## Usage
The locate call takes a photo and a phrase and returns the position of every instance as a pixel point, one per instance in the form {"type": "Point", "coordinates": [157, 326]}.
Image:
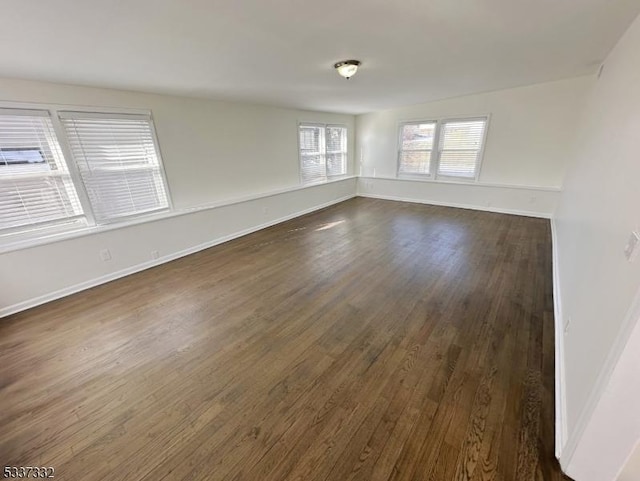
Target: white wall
{"type": "Point", "coordinates": [598, 209]}
{"type": "Point", "coordinates": [612, 429]}
{"type": "Point", "coordinates": [529, 143]}
{"type": "Point", "coordinates": [529, 201]}
{"type": "Point", "coordinates": [631, 471]}
{"type": "Point", "coordinates": [212, 151]}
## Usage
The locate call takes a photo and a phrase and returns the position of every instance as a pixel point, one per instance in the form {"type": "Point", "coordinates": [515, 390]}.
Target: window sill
{"type": "Point", "coordinates": [7, 245]}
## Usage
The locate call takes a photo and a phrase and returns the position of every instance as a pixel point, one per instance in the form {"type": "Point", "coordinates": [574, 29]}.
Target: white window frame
{"type": "Point", "coordinates": [33, 232]}
{"type": "Point", "coordinates": [438, 138]}
{"type": "Point", "coordinates": [323, 152]}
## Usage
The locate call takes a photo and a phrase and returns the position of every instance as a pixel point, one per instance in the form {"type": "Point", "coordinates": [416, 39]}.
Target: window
{"type": "Point", "coordinates": [459, 148]}
{"type": "Point", "coordinates": [416, 146]}
{"type": "Point", "coordinates": [111, 169]}
{"type": "Point", "coordinates": [117, 161]}
{"type": "Point", "coordinates": [323, 152]}
{"type": "Point", "coordinates": [36, 188]}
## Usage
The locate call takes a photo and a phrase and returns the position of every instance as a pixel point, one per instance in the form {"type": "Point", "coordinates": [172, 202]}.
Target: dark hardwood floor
{"type": "Point", "coordinates": [372, 340]}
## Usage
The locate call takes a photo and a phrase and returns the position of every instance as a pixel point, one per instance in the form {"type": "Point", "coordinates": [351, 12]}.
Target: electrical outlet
{"type": "Point", "coordinates": [532, 200]}
{"type": "Point", "coordinates": [631, 249]}
{"type": "Point", "coordinates": [155, 254]}
{"type": "Point", "coordinates": [265, 210]}
{"type": "Point", "coordinates": [105, 255]}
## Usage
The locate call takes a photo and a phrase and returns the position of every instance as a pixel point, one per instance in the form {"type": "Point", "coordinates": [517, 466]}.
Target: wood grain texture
{"type": "Point", "coordinates": [372, 340]}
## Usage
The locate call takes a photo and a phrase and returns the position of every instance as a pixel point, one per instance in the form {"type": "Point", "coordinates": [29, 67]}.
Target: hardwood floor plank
{"type": "Point", "coordinates": [372, 340]}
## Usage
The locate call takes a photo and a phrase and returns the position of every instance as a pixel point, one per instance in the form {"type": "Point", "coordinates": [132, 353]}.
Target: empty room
{"type": "Point", "coordinates": [320, 241]}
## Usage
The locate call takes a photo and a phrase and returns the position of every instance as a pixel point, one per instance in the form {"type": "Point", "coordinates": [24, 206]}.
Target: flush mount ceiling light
{"type": "Point", "coordinates": [347, 68]}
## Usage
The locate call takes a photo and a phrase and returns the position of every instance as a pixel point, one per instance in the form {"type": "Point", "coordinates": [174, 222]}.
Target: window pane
{"type": "Point", "coordinates": [323, 152]}
{"type": "Point", "coordinates": [310, 139]}
{"type": "Point", "coordinates": [418, 136]}
{"type": "Point", "coordinates": [458, 163]}
{"type": "Point", "coordinates": [312, 155]}
{"type": "Point", "coordinates": [336, 164]}
{"type": "Point", "coordinates": [461, 146]}
{"type": "Point", "coordinates": [336, 139]}
{"type": "Point", "coordinates": [120, 192]}
{"type": "Point", "coordinates": [118, 163]}
{"type": "Point", "coordinates": [462, 135]}
{"type": "Point", "coordinates": [35, 186]}
{"type": "Point", "coordinates": [12, 156]}
{"type": "Point", "coordinates": [416, 162]}
{"type": "Point", "coordinates": [35, 200]}
{"type": "Point", "coordinates": [313, 168]}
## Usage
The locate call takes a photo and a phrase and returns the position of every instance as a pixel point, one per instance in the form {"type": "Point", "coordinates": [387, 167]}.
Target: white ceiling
{"type": "Point", "coordinates": [281, 52]}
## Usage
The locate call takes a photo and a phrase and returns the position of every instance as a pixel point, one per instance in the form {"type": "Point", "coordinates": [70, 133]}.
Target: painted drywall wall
{"type": "Point", "coordinates": [631, 470]}
{"type": "Point", "coordinates": [612, 429]}
{"type": "Point", "coordinates": [212, 152]}
{"type": "Point", "coordinates": [529, 141]}
{"type": "Point", "coordinates": [534, 202]}
{"type": "Point", "coordinates": [598, 210]}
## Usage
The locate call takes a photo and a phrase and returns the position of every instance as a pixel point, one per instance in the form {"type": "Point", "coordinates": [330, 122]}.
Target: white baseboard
{"type": "Point", "coordinates": [52, 296]}
{"type": "Point", "coordinates": [497, 210]}
{"type": "Point", "coordinates": [560, 387]}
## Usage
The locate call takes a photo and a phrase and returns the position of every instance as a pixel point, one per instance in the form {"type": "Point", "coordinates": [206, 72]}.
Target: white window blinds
{"type": "Point", "coordinates": [118, 163]}
{"type": "Point", "coordinates": [446, 148]}
{"type": "Point", "coordinates": [323, 151]}
{"type": "Point", "coordinates": [336, 139]}
{"type": "Point", "coordinates": [312, 153]}
{"type": "Point", "coordinates": [35, 185]}
{"type": "Point", "coordinates": [460, 147]}
{"type": "Point", "coordinates": [416, 146]}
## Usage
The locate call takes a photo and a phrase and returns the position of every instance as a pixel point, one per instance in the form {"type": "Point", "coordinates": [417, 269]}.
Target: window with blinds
{"type": "Point", "coordinates": [36, 187]}
{"type": "Point", "coordinates": [323, 152]}
{"type": "Point", "coordinates": [416, 145]}
{"type": "Point", "coordinates": [459, 148]}
{"type": "Point", "coordinates": [63, 170]}
{"type": "Point", "coordinates": [336, 140]}
{"type": "Point", "coordinates": [117, 160]}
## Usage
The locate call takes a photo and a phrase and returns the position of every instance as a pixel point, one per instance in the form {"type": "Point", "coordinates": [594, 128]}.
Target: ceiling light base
{"type": "Point", "coordinates": [347, 68]}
